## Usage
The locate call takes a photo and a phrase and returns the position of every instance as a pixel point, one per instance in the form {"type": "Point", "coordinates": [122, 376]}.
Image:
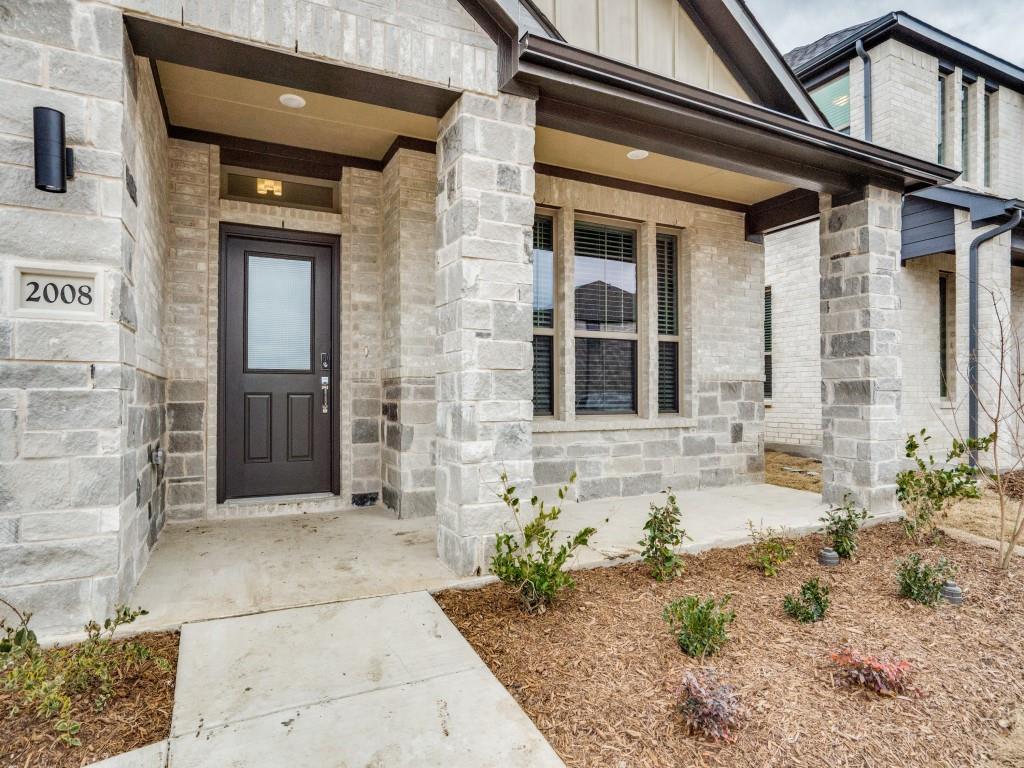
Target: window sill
{"type": "Point", "coordinates": [611, 424]}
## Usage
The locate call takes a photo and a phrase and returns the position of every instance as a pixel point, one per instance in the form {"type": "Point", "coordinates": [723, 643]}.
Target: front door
{"type": "Point", "coordinates": [277, 384]}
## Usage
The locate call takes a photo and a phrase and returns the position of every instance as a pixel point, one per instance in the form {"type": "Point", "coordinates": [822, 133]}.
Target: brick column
{"type": "Point", "coordinates": [484, 300]}
{"type": "Point", "coordinates": [861, 377]}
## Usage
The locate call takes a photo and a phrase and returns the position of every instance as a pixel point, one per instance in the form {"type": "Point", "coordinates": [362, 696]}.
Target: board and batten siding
{"type": "Point", "coordinates": [657, 35]}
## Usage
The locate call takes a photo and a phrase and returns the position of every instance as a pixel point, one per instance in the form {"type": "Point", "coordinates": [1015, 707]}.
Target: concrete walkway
{"type": "Point", "coordinates": [226, 568]}
{"type": "Point", "coordinates": [375, 682]}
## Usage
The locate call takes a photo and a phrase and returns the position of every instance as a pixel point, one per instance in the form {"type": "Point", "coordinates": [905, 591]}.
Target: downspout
{"type": "Point", "coordinates": [972, 343]}
{"type": "Point", "coordinates": [859, 45]}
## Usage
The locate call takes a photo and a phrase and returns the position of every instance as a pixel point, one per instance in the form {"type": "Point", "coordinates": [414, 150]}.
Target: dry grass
{"type": "Point", "coordinates": [139, 713]}
{"type": "Point", "coordinates": [792, 471]}
{"type": "Point", "coordinates": [979, 516]}
{"type": "Point", "coordinates": [599, 673]}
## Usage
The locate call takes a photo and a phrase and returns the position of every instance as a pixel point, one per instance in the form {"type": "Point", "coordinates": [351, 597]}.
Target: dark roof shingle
{"type": "Point", "coordinates": [805, 53]}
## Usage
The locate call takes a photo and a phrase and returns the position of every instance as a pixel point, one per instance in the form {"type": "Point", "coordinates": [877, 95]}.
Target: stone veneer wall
{"type": "Point", "coordinates": [81, 400]}
{"type": "Point", "coordinates": [717, 438]}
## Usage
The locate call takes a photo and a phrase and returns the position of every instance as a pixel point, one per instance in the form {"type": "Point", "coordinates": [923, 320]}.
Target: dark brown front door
{"type": "Point", "coordinates": [278, 383]}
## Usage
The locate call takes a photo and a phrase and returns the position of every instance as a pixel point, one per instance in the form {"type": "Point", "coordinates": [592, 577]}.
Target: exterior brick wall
{"type": "Point", "coordinates": [793, 420]}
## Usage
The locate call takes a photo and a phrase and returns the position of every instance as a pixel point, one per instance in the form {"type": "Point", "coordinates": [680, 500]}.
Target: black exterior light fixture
{"type": "Point", "coordinates": [55, 163]}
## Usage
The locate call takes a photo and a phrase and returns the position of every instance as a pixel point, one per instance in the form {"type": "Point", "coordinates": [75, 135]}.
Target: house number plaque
{"type": "Point", "coordinates": [55, 292]}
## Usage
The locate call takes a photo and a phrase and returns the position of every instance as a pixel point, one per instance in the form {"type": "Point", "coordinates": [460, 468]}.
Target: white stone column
{"type": "Point", "coordinates": [860, 347]}
{"type": "Point", "coordinates": [484, 301]}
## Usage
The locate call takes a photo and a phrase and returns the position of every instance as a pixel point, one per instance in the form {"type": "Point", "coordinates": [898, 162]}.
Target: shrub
{"type": "Point", "coordinates": [927, 492]}
{"type": "Point", "coordinates": [709, 706]}
{"type": "Point", "coordinates": [46, 679]}
{"type": "Point", "coordinates": [888, 677]}
{"type": "Point", "coordinates": [771, 549]}
{"type": "Point", "coordinates": [535, 568]}
{"type": "Point", "coordinates": [662, 535]}
{"type": "Point", "coordinates": [922, 581]}
{"type": "Point", "coordinates": [810, 604]}
{"type": "Point", "coordinates": [841, 526]}
{"type": "Point", "coordinates": [699, 625]}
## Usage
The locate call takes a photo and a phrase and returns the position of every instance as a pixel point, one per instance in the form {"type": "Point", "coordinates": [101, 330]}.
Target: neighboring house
{"type": "Point", "coordinates": [320, 254]}
{"type": "Point", "coordinates": [933, 96]}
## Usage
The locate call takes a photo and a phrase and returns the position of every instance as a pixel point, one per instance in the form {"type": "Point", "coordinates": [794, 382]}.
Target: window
{"type": "Point", "coordinates": [267, 188]}
{"type": "Point", "coordinates": [988, 139]}
{"type": "Point", "coordinates": [941, 119]}
{"type": "Point", "coordinates": [604, 299]}
{"type": "Point", "coordinates": [767, 342]}
{"type": "Point", "coordinates": [833, 99]}
{"type": "Point", "coordinates": [668, 323]}
{"type": "Point", "coordinates": [965, 123]}
{"type": "Point", "coordinates": [543, 316]}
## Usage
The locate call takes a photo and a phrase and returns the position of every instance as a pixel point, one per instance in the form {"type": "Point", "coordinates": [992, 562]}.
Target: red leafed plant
{"type": "Point", "coordinates": [709, 706]}
{"type": "Point", "coordinates": [889, 677]}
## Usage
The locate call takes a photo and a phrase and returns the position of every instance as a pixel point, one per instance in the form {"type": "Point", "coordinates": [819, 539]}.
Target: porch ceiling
{"type": "Point", "coordinates": [236, 106]}
{"type": "Point", "coordinates": [582, 153]}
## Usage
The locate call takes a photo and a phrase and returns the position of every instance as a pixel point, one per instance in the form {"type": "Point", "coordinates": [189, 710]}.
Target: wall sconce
{"type": "Point", "coordinates": [55, 163]}
{"type": "Point", "coordinates": [269, 187]}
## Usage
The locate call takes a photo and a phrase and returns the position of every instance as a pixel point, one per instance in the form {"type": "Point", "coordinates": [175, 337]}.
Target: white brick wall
{"type": "Point", "coordinates": [793, 416]}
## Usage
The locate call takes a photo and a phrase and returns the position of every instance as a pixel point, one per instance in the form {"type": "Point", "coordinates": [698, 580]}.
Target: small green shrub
{"type": "Point", "coordinates": [927, 492]}
{"type": "Point", "coordinates": [535, 567]}
{"type": "Point", "coordinates": [922, 581]}
{"type": "Point", "coordinates": [46, 679]}
{"type": "Point", "coordinates": [810, 604]}
{"type": "Point", "coordinates": [662, 536]}
{"type": "Point", "coordinates": [709, 707]}
{"type": "Point", "coordinates": [771, 549]}
{"type": "Point", "coordinates": [699, 626]}
{"type": "Point", "coordinates": [841, 526]}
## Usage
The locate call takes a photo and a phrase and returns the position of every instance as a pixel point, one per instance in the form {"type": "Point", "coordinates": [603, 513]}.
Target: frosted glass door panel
{"type": "Point", "coordinates": [278, 314]}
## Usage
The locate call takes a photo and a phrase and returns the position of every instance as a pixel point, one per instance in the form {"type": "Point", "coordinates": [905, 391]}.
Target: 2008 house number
{"type": "Point", "coordinates": [56, 293]}
{"type": "Point", "coordinates": [51, 293]}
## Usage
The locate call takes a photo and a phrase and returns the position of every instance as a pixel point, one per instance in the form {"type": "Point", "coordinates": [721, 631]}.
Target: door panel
{"type": "Point", "coordinates": [278, 420]}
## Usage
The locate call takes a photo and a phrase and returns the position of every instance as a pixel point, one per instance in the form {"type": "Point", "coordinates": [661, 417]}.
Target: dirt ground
{"type": "Point", "coordinates": [792, 471]}
{"type": "Point", "coordinates": [139, 713]}
{"type": "Point", "coordinates": [599, 674]}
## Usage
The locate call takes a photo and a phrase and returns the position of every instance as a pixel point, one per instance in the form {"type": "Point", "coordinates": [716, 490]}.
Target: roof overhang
{"type": "Point", "coordinates": [982, 208]}
{"type": "Point", "coordinates": [915, 32]}
{"type": "Point", "coordinates": [930, 228]}
{"type": "Point", "coordinates": [585, 93]}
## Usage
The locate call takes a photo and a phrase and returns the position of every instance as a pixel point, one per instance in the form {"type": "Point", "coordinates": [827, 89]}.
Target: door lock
{"type": "Point", "coordinates": [325, 361]}
{"type": "Point", "coordinates": [325, 386]}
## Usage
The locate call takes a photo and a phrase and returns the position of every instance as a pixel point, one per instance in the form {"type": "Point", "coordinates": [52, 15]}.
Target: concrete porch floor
{"type": "Point", "coordinates": [232, 567]}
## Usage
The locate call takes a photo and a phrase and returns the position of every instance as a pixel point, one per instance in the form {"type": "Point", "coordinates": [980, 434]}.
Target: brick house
{"type": "Point", "coordinates": [934, 96]}
{"type": "Point", "coordinates": [324, 254]}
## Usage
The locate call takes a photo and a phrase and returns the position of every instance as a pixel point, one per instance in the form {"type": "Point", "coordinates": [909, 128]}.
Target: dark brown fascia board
{"type": "Point", "coordinates": [408, 142]}
{"type": "Point", "coordinates": [640, 188]}
{"type": "Point", "coordinates": [585, 93]}
{"type": "Point", "coordinates": [178, 45]}
{"type": "Point", "coordinates": [749, 54]}
{"type": "Point", "coordinates": [278, 158]}
{"type": "Point", "coordinates": [919, 34]}
{"type": "Point", "coordinates": [797, 206]}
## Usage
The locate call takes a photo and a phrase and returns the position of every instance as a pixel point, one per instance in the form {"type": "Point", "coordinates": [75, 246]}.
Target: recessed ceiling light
{"type": "Point", "coordinates": [637, 154]}
{"type": "Point", "coordinates": [292, 100]}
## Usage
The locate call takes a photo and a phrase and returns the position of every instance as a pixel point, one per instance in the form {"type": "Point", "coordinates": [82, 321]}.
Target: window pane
{"type": "Point", "coordinates": [668, 302]}
{"type": "Point", "coordinates": [668, 377]}
{"type": "Point", "coordinates": [965, 144]}
{"type": "Point", "coordinates": [543, 272]}
{"type": "Point", "coordinates": [280, 192]}
{"type": "Point", "coordinates": [543, 376]}
{"type": "Point", "coordinates": [605, 283]}
{"type": "Point", "coordinates": [943, 341]}
{"type": "Point", "coordinates": [941, 118]}
{"type": "Point", "coordinates": [605, 376]}
{"type": "Point", "coordinates": [988, 139]}
{"type": "Point", "coordinates": [278, 319]}
{"type": "Point", "coordinates": [833, 99]}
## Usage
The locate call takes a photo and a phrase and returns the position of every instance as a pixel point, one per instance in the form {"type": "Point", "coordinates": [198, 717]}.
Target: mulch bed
{"type": "Point", "coordinates": [139, 713]}
{"type": "Point", "coordinates": [599, 673]}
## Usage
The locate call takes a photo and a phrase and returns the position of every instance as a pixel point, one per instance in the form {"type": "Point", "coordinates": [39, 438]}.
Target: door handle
{"type": "Point", "coordinates": [325, 385]}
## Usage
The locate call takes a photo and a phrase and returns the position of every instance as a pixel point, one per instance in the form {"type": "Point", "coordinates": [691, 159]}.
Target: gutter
{"type": "Point", "coordinates": [972, 344]}
{"type": "Point", "coordinates": [859, 46]}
